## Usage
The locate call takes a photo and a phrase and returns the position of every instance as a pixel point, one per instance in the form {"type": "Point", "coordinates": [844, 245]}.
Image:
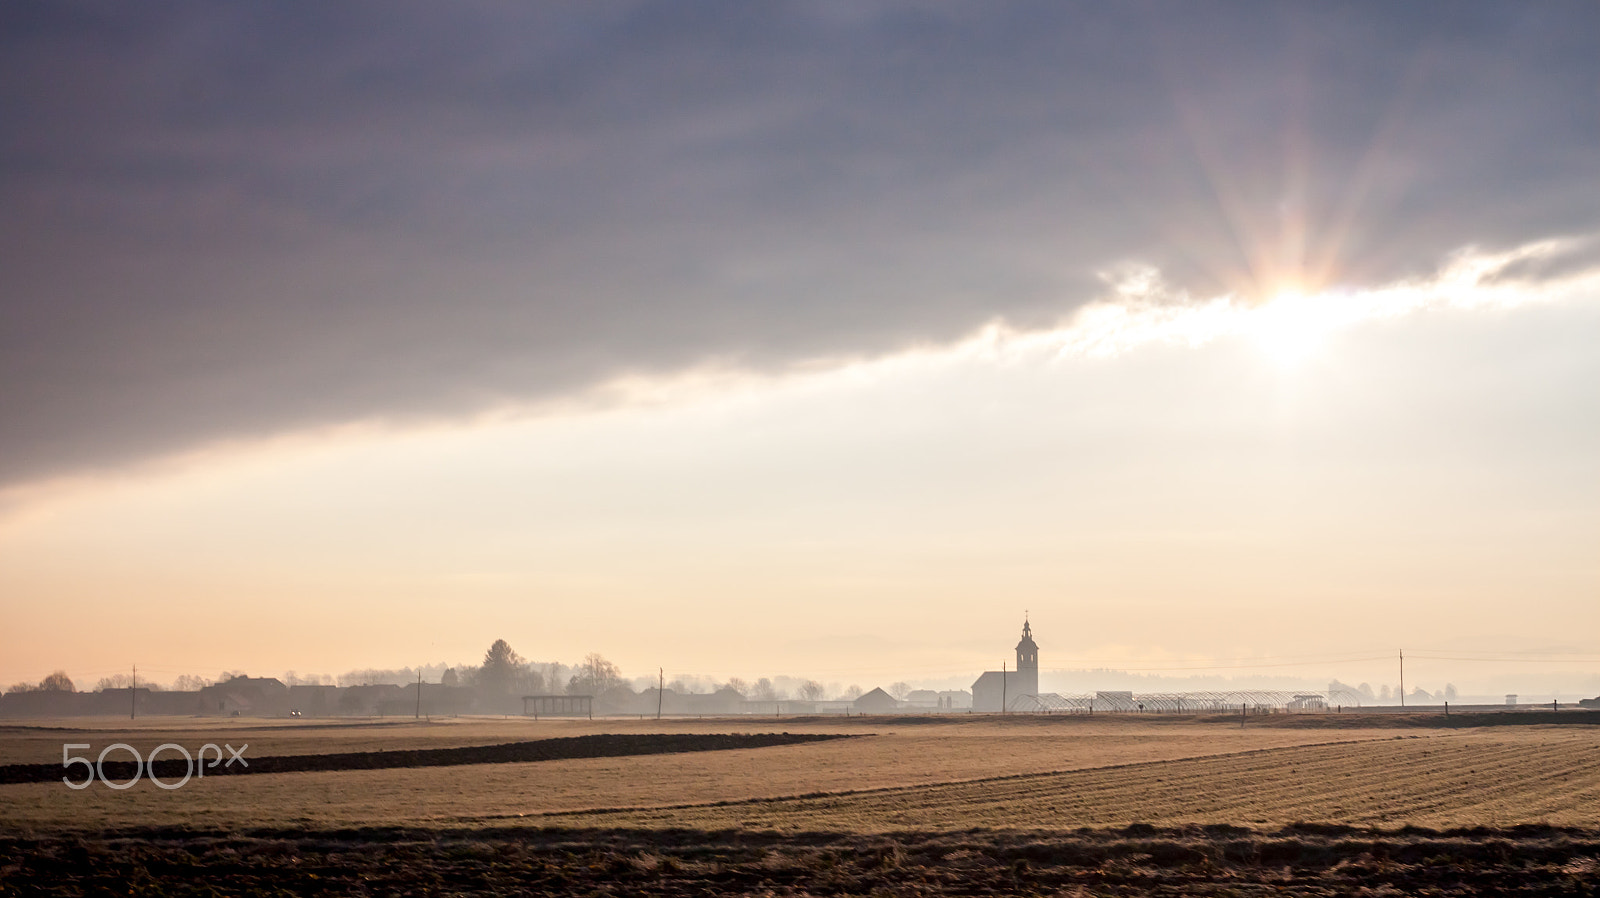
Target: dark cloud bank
{"type": "Point", "coordinates": [234, 220]}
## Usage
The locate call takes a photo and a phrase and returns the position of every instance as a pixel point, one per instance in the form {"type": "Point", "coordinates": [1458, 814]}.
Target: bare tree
{"type": "Point", "coordinates": [738, 685]}
{"type": "Point", "coordinates": [900, 690]}
{"type": "Point", "coordinates": [595, 676]}
{"type": "Point", "coordinates": [764, 691]}
{"type": "Point", "coordinates": [852, 693]}
{"type": "Point", "coordinates": [57, 682]}
{"type": "Point", "coordinates": [811, 691]}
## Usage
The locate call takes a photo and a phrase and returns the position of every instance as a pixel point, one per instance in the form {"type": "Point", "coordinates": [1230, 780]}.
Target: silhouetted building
{"type": "Point", "coordinates": [996, 689]}
{"type": "Point", "coordinates": [875, 702]}
{"type": "Point", "coordinates": [314, 700]}
{"type": "Point", "coordinates": [246, 696]}
{"type": "Point", "coordinates": [931, 700]}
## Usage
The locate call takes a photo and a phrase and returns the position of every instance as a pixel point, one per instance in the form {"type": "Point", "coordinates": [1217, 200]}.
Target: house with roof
{"type": "Point", "coordinates": [875, 702]}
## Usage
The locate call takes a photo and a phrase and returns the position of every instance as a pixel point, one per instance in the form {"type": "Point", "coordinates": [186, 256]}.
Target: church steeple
{"type": "Point", "coordinates": [1027, 650]}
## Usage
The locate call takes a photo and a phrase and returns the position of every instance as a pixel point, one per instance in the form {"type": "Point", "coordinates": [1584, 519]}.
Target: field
{"type": "Point", "coordinates": [935, 805]}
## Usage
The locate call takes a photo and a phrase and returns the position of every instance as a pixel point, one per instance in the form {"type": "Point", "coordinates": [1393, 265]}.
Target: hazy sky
{"type": "Point", "coordinates": [819, 338]}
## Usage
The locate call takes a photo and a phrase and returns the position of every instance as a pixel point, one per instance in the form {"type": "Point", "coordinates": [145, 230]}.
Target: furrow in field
{"type": "Point", "coordinates": [1447, 780]}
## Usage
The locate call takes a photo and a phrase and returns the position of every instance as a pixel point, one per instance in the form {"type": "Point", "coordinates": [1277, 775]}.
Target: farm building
{"type": "Point", "coordinates": [249, 696]}
{"type": "Point", "coordinates": [1123, 702]}
{"type": "Point", "coordinates": [875, 702]}
{"type": "Point", "coordinates": [944, 700]}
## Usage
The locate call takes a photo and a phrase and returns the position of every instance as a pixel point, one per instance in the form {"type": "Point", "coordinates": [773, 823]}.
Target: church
{"type": "Point", "coordinates": [998, 690]}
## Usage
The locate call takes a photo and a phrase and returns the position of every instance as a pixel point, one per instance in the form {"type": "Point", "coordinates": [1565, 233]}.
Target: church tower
{"type": "Point", "coordinates": [1027, 681]}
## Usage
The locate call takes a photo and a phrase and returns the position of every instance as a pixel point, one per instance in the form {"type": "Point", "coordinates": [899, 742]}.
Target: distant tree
{"type": "Point", "coordinates": [125, 681]}
{"type": "Point", "coordinates": [764, 691]}
{"type": "Point", "coordinates": [22, 687]}
{"type": "Point", "coordinates": [1384, 695]}
{"type": "Point", "coordinates": [228, 675]}
{"type": "Point", "coordinates": [532, 681]}
{"type": "Point", "coordinates": [57, 682]}
{"type": "Point", "coordinates": [1366, 692]}
{"type": "Point", "coordinates": [595, 676]}
{"type": "Point", "coordinates": [190, 683]}
{"type": "Point", "coordinates": [502, 668]}
{"type": "Point", "coordinates": [450, 677]}
{"type": "Point", "coordinates": [900, 690]}
{"type": "Point", "coordinates": [852, 692]}
{"type": "Point", "coordinates": [738, 685]}
{"type": "Point", "coordinates": [1450, 692]}
{"type": "Point", "coordinates": [811, 691]}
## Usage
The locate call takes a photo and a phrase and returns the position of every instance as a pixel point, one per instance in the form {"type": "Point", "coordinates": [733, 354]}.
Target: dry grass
{"type": "Point", "coordinates": [947, 807]}
{"type": "Point", "coordinates": [1440, 780]}
{"type": "Point", "coordinates": [39, 741]}
{"type": "Point", "coordinates": [947, 774]}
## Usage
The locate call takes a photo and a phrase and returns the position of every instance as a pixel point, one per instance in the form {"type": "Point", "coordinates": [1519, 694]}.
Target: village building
{"type": "Point", "coordinates": [998, 690]}
{"type": "Point", "coordinates": [875, 702]}
{"type": "Point", "coordinates": [246, 696]}
{"type": "Point", "coordinates": [941, 700]}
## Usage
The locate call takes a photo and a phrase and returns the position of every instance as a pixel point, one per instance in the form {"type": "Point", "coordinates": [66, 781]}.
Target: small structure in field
{"type": "Point", "coordinates": [537, 706]}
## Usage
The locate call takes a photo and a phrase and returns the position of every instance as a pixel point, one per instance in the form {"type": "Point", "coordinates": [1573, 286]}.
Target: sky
{"type": "Point", "coordinates": [821, 339]}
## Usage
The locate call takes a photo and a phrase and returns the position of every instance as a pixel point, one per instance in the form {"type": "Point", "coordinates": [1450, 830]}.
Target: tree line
{"type": "Point", "coordinates": [502, 672]}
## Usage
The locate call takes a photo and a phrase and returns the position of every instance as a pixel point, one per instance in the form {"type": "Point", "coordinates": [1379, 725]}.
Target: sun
{"type": "Point", "coordinates": [1291, 327]}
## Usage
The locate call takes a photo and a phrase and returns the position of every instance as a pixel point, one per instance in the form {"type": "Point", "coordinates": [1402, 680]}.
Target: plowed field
{"type": "Point", "coordinates": [1456, 779]}
{"type": "Point", "coordinates": [1340, 805]}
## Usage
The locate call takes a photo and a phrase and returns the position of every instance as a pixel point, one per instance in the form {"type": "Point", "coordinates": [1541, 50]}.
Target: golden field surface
{"type": "Point", "coordinates": [898, 774]}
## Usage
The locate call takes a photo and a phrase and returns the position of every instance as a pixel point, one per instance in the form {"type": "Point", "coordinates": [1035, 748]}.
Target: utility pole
{"type": "Point", "coordinates": [661, 686]}
{"type": "Point", "coordinates": [1002, 687]}
{"type": "Point", "coordinates": [133, 695]}
{"type": "Point", "coordinates": [419, 692]}
{"type": "Point", "coordinates": [1402, 678]}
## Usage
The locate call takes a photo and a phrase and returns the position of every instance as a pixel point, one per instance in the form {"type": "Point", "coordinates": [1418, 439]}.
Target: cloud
{"type": "Point", "coordinates": [1144, 309]}
{"type": "Point", "coordinates": [222, 223]}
